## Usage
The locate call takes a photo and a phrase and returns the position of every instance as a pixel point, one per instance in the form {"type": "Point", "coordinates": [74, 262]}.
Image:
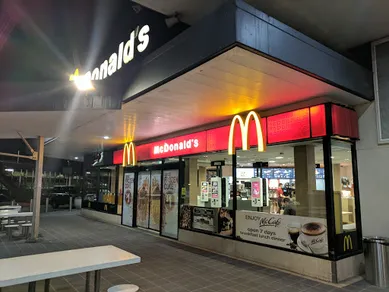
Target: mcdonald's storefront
{"type": "Point", "coordinates": [280, 190]}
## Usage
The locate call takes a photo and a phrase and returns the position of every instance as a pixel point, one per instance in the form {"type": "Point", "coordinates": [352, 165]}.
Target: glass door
{"type": "Point", "coordinates": [170, 201]}
{"type": "Point", "coordinates": [143, 202]}
{"type": "Point", "coordinates": [128, 202]}
{"type": "Point", "coordinates": [155, 200]}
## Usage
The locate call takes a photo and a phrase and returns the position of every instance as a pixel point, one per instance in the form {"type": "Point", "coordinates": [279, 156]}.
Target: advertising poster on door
{"type": "Point", "coordinates": [256, 193]}
{"type": "Point", "coordinates": [170, 203]}
{"type": "Point", "coordinates": [204, 191]}
{"type": "Point", "coordinates": [304, 234]}
{"type": "Point", "coordinates": [155, 204]}
{"type": "Point", "coordinates": [128, 194]}
{"type": "Point", "coordinates": [216, 191]}
{"type": "Point", "coordinates": [142, 214]}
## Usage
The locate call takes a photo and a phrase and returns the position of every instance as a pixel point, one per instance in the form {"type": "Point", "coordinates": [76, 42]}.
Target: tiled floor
{"type": "Point", "coordinates": [166, 265]}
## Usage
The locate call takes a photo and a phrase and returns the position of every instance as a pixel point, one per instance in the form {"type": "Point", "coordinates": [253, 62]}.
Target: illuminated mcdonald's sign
{"type": "Point", "coordinates": [347, 243]}
{"type": "Point", "coordinates": [129, 155]}
{"type": "Point", "coordinates": [244, 127]}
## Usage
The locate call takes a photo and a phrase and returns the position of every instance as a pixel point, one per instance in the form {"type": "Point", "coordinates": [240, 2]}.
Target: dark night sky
{"type": "Point", "coordinates": [43, 40]}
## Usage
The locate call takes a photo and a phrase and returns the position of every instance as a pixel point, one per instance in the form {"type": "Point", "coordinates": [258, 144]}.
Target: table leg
{"type": "Point", "coordinates": [87, 282]}
{"type": "Point", "coordinates": [47, 285]}
{"type": "Point", "coordinates": [31, 286]}
{"type": "Point", "coordinates": [97, 280]}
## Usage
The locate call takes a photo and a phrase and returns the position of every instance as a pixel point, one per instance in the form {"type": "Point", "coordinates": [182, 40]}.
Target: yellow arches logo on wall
{"type": "Point", "coordinates": [347, 243]}
{"type": "Point", "coordinates": [129, 155]}
{"type": "Point", "coordinates": [244, 127]}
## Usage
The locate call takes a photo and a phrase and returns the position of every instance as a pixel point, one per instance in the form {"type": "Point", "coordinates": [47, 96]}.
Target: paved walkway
{"type": "Point", "coordinates": [166, 265]}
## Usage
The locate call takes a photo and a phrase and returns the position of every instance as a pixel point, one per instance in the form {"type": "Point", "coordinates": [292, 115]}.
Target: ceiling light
{"type": "Point", "coordinates": [279, 157]}
{"type": "Point", "coordinates": [106, 137]}
{"type": "Point", "coordinates": [238, 156]}
{"type": "Point", "coordinates": [9, 169]}
{"type": "Point", "coordinates": [272, 161]}
{"type": "Point", "coordinates": [76, 158]}
{"type": "Point", "coordinates": [83, 83]}
{"type": "Point", "coordinates": [332, 157]}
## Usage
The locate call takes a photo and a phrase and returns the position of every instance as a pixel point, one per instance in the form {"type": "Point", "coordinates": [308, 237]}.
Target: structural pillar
{"type": "Point", "coordinates": [37, 190]}
{"type": "Point", "coordinates": [304, 160]}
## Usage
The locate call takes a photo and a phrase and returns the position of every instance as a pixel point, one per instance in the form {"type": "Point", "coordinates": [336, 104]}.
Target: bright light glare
{"type": "Point", "coordinates": [9, 169]}
{"type": "Point", "coordinates": [83, 83]}
{"type": "Point", "coordinates": [272, 161]}
{"type": "Point", "coordinates": [106, 137]}
{"type": "Point", "coordinates": [76, 158]}
{"type": "Point", "coordinates": [279, 157]}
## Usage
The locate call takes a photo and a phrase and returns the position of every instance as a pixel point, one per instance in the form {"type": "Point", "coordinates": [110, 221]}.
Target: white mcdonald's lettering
{"type": "Point", "coordinates": [129, 155]}
{"type": "Point", "coordinates": [244, 127]}
{"type": "Point", "coordinates": [177, 146]}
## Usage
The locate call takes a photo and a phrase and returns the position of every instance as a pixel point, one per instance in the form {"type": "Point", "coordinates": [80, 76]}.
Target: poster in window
{"type": "Point", "coordinates": [256, 192]}
{"type": "Point", "coordinates": [216, 190]}
{"type": "Point", "coordinates": [204, 191]}
{"type": "Point", "coordinates": [225, 222]}
{"type": "Point", "coordinates": [170, 203]}
{"type": "Point", "coordinates": [142, 214]}
{"type": "Point", "coordinates": [304, 234]}
{"type": "Point", "coordinates": [186, 217]}
{"type": "Point", "coordinates": [155, 204]}
{"type": "Point", "coordinates": [204, 219]}
{"type": "Point", "coordinates": [128, 204]}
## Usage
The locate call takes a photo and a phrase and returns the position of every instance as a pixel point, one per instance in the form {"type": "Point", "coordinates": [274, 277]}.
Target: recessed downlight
{"type": "Point", "coordinates": [106, 138]}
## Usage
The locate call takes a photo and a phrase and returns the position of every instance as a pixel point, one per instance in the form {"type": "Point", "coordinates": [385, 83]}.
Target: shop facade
{"type": "Point", "coordinates": [243, 141]}
{"type": "Point", "coordinates": [209, 189]}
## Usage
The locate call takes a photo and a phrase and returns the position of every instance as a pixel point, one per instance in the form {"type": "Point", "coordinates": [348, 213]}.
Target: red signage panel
{"type": "Point", "coordinates": [289, 126]}
{"type": "Point", "coordinates": [318, 121]}
{"type": "Point", "coordinates": [344, 122]}
{"type": "Point", "coordinates": [179, 146]}
{"type": "Point", "coordinates": [118, 157]}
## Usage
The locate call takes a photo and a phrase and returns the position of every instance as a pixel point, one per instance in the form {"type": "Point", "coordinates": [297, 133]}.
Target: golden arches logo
{"type": "Point", "coordinates": [244, 127]}
{"type": "Point", "coordinates": [347, 243]}
{"type": "Point", "coordinates": [129, 155]}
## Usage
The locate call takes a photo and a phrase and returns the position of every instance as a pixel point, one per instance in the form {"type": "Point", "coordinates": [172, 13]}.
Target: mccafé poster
{"type": "Point", "coordinates": [128, 196]}
{"type": "Point", "coordinates": [302, 234]}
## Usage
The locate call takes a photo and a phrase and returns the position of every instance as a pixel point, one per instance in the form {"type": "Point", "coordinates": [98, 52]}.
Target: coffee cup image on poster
{"type": "Point", "coordinates": [304, 234]}
{"type": "Point", "coordinates": [128, 194]}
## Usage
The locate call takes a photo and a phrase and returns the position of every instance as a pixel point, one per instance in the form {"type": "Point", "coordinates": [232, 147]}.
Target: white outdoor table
{"type": "Point", "coordinates": [11, 207]}
{"type": "Point", "coordinates": [15, 214]}
{"type": "Point", "coordinates": [45, 266]}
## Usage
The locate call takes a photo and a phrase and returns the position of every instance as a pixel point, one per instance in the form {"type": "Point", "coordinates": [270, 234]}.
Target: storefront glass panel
{"type": "Point", "coordinates": [208, 203]}
{"type": "Point", "coordinates": [155, 202]}
{"type": "Point", "coordinates": [281, 202]}
{"type": "Point", "coordinates": [170, 203]}
{"type": "Point", "coordinates": [143, 200]}
{"type": "Point", "coordinates": [128, 202]}
{"type": "Point", "coordinates": [343, 186]}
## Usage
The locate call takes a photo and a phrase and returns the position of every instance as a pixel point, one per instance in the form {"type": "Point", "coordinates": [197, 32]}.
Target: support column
{"type": "Point", "coordinates": [304, 160]}
{"type": "Point", "coordinates": [37, 190]}
{"type": "Point", "coordinates": [194, 190]}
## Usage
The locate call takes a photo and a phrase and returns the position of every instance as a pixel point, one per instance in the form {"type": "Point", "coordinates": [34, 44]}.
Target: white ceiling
{"type": "Point", "coordinates": [234, 82]}
{"type": "Point", "coordinates": [339, 24]}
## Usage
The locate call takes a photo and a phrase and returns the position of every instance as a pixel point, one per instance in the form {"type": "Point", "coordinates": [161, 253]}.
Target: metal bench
{"type": "Point", "coordinates": [26, 228]}
{"type": "Point", "coordinates": [9, 229]}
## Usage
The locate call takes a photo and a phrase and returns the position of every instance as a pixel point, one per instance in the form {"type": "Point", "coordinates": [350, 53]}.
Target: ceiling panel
{"type": "Point", "coordinates": [234, 82]}
{"type": "Point", "coordinates": [323, 20]}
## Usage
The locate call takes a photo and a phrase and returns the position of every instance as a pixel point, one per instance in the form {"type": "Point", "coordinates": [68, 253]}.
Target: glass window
{"type": "Point", "coordinates": [343, 184]}
{"type": "Point", "coordinates": [207, 200]}
{"type": "Point", "coordinates": [281, 197]}
{"type": "Point", "coordinates": [285, 180]}
{"type": "Point", "coordinates": [107, 192]}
